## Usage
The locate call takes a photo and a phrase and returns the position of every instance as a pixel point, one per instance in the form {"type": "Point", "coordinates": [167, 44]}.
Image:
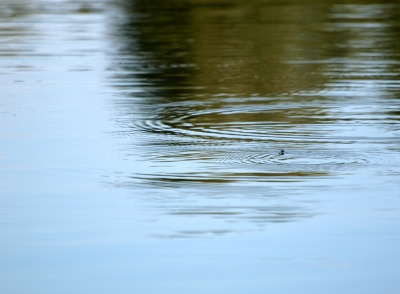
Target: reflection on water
{"type": "Point", "coordinates": [204, 146]}
{"type": "Point", "coordinates": [209, 93]}
{"type": "Point", "coordinates": [255, 214]}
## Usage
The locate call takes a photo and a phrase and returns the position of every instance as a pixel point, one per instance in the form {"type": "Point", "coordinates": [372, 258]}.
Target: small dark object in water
{"type": "Point", "coordinates": [282, 152]}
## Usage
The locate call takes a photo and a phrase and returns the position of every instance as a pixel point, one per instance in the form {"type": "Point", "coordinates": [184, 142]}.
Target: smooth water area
{"type": "Point", "coordinates": [198, 146]}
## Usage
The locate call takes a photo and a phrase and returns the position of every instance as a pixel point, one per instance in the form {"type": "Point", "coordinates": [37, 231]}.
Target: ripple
{"type": "Point", "coordinates": [219, 178]}
{"type": "Point", "coordinates": [261, 124]}
{"type": "Point", "coordinates": [309, 157]}
{"type": "Point", "coordinates": [258, 123]}
{"type": "Point", "coordinates": [259, 215]}
{"type": "Point", "coordinates": [253, 134]}
{"type": "Point", "coordinates": [293, 162]}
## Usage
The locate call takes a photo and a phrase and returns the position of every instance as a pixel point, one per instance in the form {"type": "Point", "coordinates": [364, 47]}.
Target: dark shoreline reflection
{"type": "Point", "coordinates": [178, 49]}
{"type": "Point", "coordinates": [209, 92]}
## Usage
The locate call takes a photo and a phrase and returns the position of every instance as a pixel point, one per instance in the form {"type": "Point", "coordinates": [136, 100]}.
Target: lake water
{"type": "Point", "coordinates": [141, 146]}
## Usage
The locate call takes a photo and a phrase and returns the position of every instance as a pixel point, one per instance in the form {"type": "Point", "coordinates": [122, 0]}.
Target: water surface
{"type": "Point", "coordinates": [141, 146]}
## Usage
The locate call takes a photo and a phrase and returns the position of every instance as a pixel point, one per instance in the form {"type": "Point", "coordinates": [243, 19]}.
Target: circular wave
{"type": "Point", "coordinates": [293, 160]}
{"type": "Point", "coordinates": [248, 124]}
{"type": "Point", "coordinates": [243, 135]}
{"type": "Point", "coordinates": [269, 160]}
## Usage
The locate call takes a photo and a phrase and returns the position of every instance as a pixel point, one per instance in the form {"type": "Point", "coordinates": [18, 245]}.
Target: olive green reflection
{"type": "Point", "coordinates": [182, 48]}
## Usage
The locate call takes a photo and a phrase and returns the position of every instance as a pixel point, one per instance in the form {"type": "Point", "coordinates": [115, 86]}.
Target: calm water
{"type": "Point", "coordinates": [140, 146]}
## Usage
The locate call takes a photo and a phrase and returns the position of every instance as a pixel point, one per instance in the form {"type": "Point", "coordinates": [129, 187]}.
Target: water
{"type": "Point", "coordinates": [140, 146]}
